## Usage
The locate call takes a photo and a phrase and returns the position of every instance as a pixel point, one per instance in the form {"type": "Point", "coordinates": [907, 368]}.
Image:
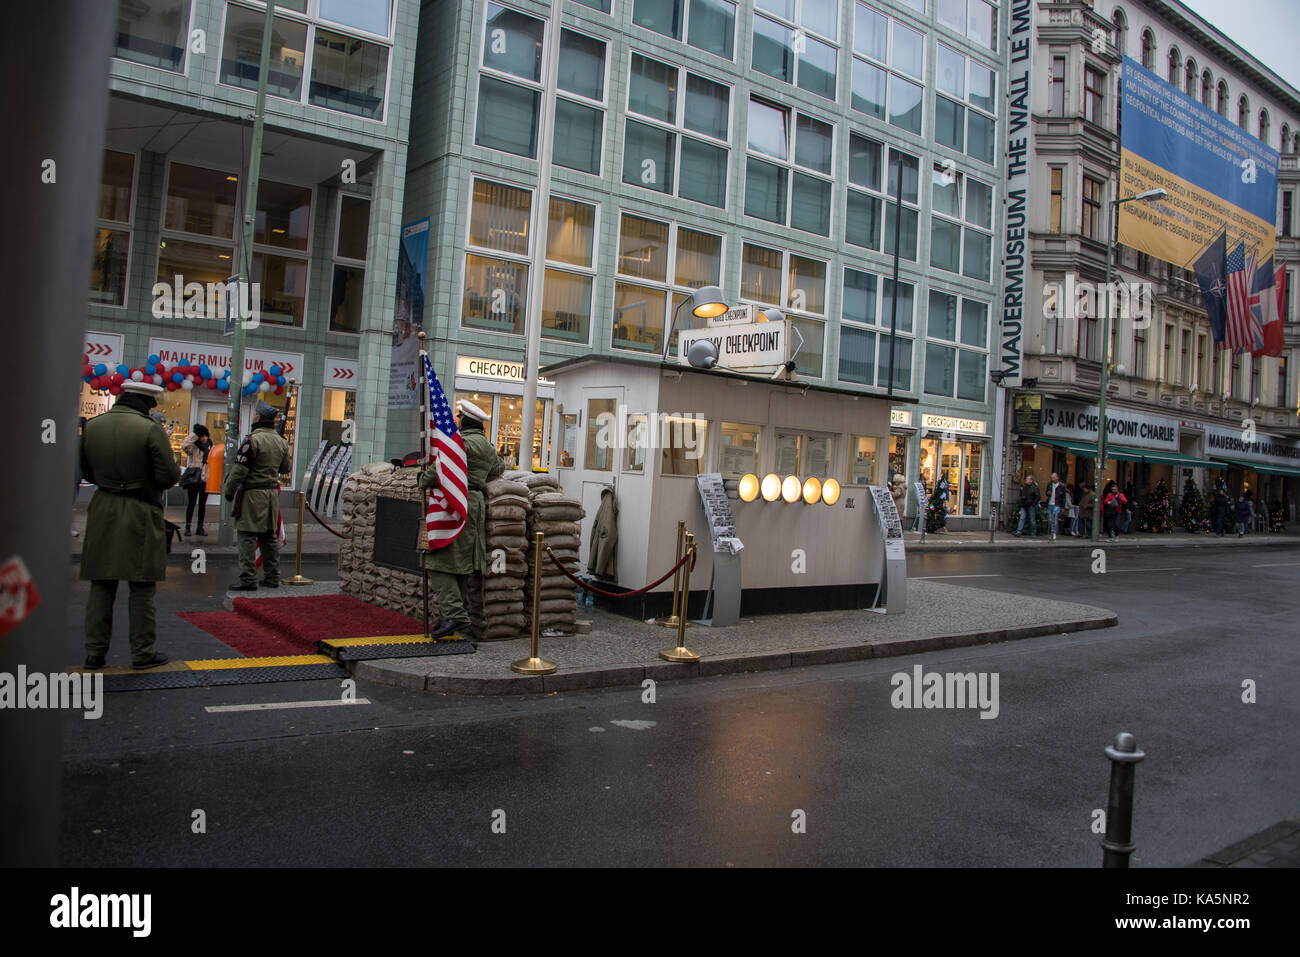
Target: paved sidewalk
{"type": "Point", "coordinates": [623, 651]}
{"type": "Point", "coordinates": [1005, 541]}
{"type": "Point", "coordinates": [1276, 846]}
{"type": "Point", "coordinates": [317, 543]}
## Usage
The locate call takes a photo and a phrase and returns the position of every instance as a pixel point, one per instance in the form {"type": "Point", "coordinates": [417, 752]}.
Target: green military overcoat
{"type": "Point", "coordinates": [126, 454]}
{"type": "Point", "coordinates": [268, 459]}
{"type": "Point", "coordinates": [468, 551]}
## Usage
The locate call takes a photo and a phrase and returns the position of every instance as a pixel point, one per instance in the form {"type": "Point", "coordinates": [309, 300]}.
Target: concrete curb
{"type": "Point", "coordinates": [1085, 544]}
{"type": "Point", "coordinates": [622, 675]}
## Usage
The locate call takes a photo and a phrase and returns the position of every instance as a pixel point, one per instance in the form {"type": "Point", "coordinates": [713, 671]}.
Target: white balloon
{"type": "Point", "coordinates": [137, 376]}
{"type": "Point", "coordinates": [157, 379]}
{"type": "Point", "coordinates": [187, 385]}
{"type": "Point", "coordinates": [264, 387]}
{"type": "Point", "coordinates": [248, 377]}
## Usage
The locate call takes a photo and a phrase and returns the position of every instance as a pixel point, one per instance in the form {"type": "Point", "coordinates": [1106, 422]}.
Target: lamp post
{"type": "Point", "coordinates": [1144, 197]}
{"type": "Point", "coordinates": [709, 304]}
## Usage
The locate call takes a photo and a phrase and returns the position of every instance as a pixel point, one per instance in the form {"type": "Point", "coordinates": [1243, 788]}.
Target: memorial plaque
{"type": "Point", "coordinates": [399, 534]}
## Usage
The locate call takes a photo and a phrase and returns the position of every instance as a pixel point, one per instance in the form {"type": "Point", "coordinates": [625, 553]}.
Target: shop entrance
{"type": "Point", "coordinates": [213, 415]}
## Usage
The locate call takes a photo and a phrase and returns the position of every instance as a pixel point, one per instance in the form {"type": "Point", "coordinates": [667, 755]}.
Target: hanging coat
{"type": "Point", "coordinates": [602, 545]}
{"type": "Point", "coordinates": [467, 552]}
{"type": "Point", "coordinates": [126, 454]}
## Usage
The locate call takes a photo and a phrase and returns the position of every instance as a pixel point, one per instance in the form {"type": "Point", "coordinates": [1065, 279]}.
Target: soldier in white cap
{"type": "Point", "coordinates": [450, 567]}
{"type": "Point", "coordinates": [127, 456]}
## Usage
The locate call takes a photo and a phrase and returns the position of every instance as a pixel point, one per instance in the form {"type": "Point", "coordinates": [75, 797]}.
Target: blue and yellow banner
{"type": "Point", "coordinates": [1219, 177]}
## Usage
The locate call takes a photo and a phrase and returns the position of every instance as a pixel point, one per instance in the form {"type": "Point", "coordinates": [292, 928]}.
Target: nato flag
{"type": "Point", "coordinates": [1210, 277]}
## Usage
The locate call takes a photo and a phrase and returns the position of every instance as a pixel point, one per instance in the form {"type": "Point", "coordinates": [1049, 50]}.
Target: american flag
{"type": "Point", "coordinates": [449, 502]}
{"type": "Point", "coordinates": [1240, 270]}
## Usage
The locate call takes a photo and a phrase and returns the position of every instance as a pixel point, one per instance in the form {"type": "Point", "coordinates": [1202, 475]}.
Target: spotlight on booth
{"type": "Point", "coordinates": [749, 488]}
{"type": "Point", "coordinates": [831, 491]}
{"type": "Point", "coordinates": [791, 489]}
{"type": "Point", "coordinates": [771, 487]}
{"type": "Point", "coordinates": [812, 491]}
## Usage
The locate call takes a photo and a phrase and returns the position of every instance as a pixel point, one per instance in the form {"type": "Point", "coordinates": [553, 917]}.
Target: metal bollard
{"type": "Point", "coordinates": [297, 578]}
{"type": "Point", "coordinates": [672, 621]}
{"type": "Point", "coordinates": [1118, 844]}
{"type": "Point", "coordinates": [534, 665]}
{"type": "Point", "coordinates": [681, 652]}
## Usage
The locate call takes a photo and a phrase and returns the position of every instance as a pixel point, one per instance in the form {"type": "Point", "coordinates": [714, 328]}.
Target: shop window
{"type": "Point", "coordinates": [283, 282]}
{"type": "Point", "coordinates": [339, 406]}
{"type": "Point", "coordinates": [154, 34]}
{"type": "Point", "coordinates": [862, 459]}
{"type": "Point", "coordinates": [508, 424]}
{"type": "Point", "coordinates": [897, 456]}
{"type": "Point", "coordinates": [740, 449]}
{"type": "Point", "coordinates": [684, 445]}
{"type": "Point", "coordinates": [112, 244]}
{"type": "Point", "coordinates": [960, 463]}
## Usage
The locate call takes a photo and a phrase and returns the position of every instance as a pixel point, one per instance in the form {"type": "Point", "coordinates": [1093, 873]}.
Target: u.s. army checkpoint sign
{"type": "Point", "coordinates": [749, 345]}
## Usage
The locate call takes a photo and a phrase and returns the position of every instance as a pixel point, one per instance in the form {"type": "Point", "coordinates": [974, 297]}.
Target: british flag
{"type": "Point", "coordinates": [1241, 333]}
{"type": "Point", "coordinates": [448, 504]}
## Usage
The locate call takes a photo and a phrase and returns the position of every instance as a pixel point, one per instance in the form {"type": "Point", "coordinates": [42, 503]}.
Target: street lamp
{"type": "Point", "coordinates": [709, 304]}
{"type": "Point", "coordinates": [1143, 197]}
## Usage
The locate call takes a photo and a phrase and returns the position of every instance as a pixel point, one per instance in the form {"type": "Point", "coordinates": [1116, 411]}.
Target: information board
{"type": "Point", "coordinates": [717, 507]}
{"type": "Point", "coordinates": [890, 523]}
{"type": "Point", "coordinates": [398, 534]}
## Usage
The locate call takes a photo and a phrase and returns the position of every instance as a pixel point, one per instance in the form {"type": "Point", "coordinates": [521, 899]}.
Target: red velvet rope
{"type": "Point", "coordinates": [321, 520]}
{"type": "Point", "coordinates": [625, 594]}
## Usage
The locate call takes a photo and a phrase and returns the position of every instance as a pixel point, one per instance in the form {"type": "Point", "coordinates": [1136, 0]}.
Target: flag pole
{"type": "Point", "coordinates": [424, 454]}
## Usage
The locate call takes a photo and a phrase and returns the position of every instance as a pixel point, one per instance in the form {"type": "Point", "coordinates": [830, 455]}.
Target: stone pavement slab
{"type": "Point", "coordinates": [1276, 846]}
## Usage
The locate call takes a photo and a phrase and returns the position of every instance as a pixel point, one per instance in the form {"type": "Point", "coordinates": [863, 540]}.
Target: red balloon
{"type": "Point", "coordinates": [115, 389]}
{"type": "Point", "coordinates": [94, 382]}
{"type": "Point", "coordinates": [118, 378]}
{"type": "Point", "coordinates": [212, 383]}
{"type": "Point", "coordinates": [279, 390]}
{"type": "Point", "coordinates": [173, 386]}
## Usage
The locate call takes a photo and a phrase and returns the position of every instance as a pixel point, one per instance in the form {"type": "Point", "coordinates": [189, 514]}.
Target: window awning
{"type": "Point", "coordinates": [1127, 454]}
{"type": "Point", "coordinates": [1260, 468]}
{"type": "Point", "coordinates": [1178, 458]}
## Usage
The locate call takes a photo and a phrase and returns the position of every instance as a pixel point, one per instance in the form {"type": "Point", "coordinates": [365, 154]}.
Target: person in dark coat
{"type": "Point", "coordinates": [263, 458]}
{"type": "Point", "coordinates": [602, 551]}
{"type": "Point", "coordinates": [129, 460]}
{"type": "Point", "coordinates": [196, 447]}
{"type": "Point", "coordinates": [1030, 496]}
{"type": "Point", "coordinates": [1112, 502]}
{"type": "Point", "coordinates": [1244, 512]}
{"type": "Point", "coordinates": [1220, 509]}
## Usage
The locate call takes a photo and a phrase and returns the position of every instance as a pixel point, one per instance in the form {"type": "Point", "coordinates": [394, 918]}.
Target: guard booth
{"type": "Point", "coordinates": [650, 430]}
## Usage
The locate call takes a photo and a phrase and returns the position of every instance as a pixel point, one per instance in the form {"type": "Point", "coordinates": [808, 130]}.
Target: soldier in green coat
{"type": "Point", "coordinates": [127, 456]}
{"type": "Point", "coordinates": [450, 567]}
{"type": "Point", "coordinates": [255, 478]}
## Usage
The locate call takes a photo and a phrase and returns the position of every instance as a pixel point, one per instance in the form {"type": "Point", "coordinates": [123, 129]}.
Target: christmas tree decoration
{"type": "Point", "coordinates": [1157, 512]}
{"type": "Point", "coordinates": [1192, 514]}
{"type": "Point", "coordinates": [1277, 517]}
{"type": "Point", "coordinates": [936, 512]}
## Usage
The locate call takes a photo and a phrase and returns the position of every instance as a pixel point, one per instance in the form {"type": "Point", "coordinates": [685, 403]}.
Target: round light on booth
{"type": "Point", "coordinates": [748, 488]}
{"type": "Point", "coordinates": [812, 491]}
{"type": "Point", "coordinates": [791, 489]}
{"type": "Point", "coordinates": [831, 492]}
{"type": "Point", "coordinates": [771, 487]}
{"type": "Point", "coordinates": [709, 303]}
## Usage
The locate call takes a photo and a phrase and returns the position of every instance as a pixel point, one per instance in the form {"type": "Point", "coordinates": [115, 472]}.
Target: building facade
{"type": "Point", "coordinates": [762, 147]}
{"type": "Point", "coordinates": [183, 81]}
{"type": "Point", "coordinates": [1181, 406]}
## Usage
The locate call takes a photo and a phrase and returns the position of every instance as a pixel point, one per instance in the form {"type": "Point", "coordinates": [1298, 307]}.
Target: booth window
{"type": "Point", "coordinates": [868, 300]}
{"type": "Point", "coordinates": [570, 271]}
{"type": "Point", "coordinates": [339, 406]}
{"type": "Point", "coordinates": [111, 255]}
{"type": "Point", "coordinates": [668, 103]}
{"type": "Point", "coordinates": [796, 41]}
{"type": "Point", "coordinates": [601, 437]}
{"type": "Point", "coordinates": [664, 258]}
{"type": "Point", "coordinates": [568, 440]}
{"type": "Point", "coordinates": [789, 168]}
{"type": "Point", "coordinates": [683, 439]}
{"type": "Point", "coordinates": [582, 116]}
{"type": "Point", "coordinates": [897, 456]}
{"type": "Point", "coordinates": [887, 57]}
{"type": "Point", "coordinates": [807, 455]}
{"type": "Point", "coordinates": [496, 286]}
{"type": "Point", "coordinates": [637, 443]}
{"type": "Point", "coordinates": [708, 25]}
{"type": "Point", "coordinates": [352, 236]}
{"type": "Point", "coordinates": [740, 445]}
{"type": "Point", "coordinates": [862, 459]}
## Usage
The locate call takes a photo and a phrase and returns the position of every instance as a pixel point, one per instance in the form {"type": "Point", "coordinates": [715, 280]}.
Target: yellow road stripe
{"type": "Point", "coordinates": [380, 640]}
{"type": "Point", "coordinates": [213, 664]}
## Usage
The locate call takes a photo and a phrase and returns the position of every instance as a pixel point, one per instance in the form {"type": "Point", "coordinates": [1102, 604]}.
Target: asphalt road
{"type": "Point", "coordinates": [715, 771]}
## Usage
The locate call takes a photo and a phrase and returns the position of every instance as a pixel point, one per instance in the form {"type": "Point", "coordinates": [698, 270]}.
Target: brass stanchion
{"type": "Point", "coordinates": [672, 621]}
{"type": "Point", "coordinates": [297, 578]}
{"type": "Point", "coordinates": [681, 652]}
{"type": "Point", "coordinates": [534, 665]}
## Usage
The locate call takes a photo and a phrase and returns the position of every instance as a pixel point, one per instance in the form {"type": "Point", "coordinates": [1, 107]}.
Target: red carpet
{"type": "Point", "coordinates": [292, 626]}
{"type": "Point", "coordinates": [242, 634]}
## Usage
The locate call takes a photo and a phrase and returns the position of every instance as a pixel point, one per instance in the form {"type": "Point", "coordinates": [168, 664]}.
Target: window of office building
{"type": "Point", "coordinates": [1094, 95]}
{"type": "Point", "coordinates": [496, 260]}
{"type": "Point", "coordinates": [1168, 347]}
{"type": "Point", "coordinates": [1092, 222]}
{"type": "Point", "coordinates": [797, 286]}
{"type": "Point", "coordinates": [1140, 353]}
{"type": "Point", "coordinates": [345, 71]}
{"type": "Point", "coordinates": [961, 240]}
{"type": "Point", "coordinates": [888, 69]}
{"type": "Point", "coordinates": [797, 41]}
{"type": "Point", "coordinates": [510, 82]}
{"type": "Point", "coordinates": [956, 347]}
{"type": "Point", "coordinates": [570, 271]}
{"type": "Point", "coordinates": [1057, 104]}
{"type": "Point", "coordinates": [965, 117]}
{"type": "Point", "coordinates": [708, 25]}
{"type": "Point", "coordinates": [976, 19]}
{"type": "Point", "coordinates": [601, 5]}
{"type": "Point", "coordinates": [789, 167]}
{"type": "Point", "coordinates": [111, 253]}
{"type": "Point", "coordinates": [154, 34]}
{"type": "Point", "coordinates": [1056, 197]}
{"type": "Point", "coordinates": [868, 311]}
{"type": "Point", "coordinates": [659, 265]}
{"type": "Point", "coordinates": [678, 127]}
{"type": "Point", "coordinates": [579, 107]}
{"type": "Point", "coordinates": [352, 234]}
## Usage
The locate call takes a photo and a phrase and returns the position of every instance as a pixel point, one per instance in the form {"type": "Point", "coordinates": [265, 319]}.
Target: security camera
{"type": "Point", "coordinates": [785, 367]}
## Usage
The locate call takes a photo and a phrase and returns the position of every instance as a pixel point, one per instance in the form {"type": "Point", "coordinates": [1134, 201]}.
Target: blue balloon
{"type": "Point", "coordinates": [281, 380]}
{"type": "Point", "coordinates": [177, 377]}
{"type": "Point", "coordinates": [153, 360]}
{"type": "Point", "coordinates": [224, 385]}
{"type": "Point", "coordinates": [150, 369]}
{"type": "Point", "coordinates": [123, 369]}
{"type": "Point", "coordinates": [274, 370]}
{"type": "Point", "coordinates": [87, 379]}
{"type": "Point", "coordinates": [101, 370]}
{"type": "Point", "coordinates": [258, 377]}
{"type": "Point", "coordinates": [205, 371]}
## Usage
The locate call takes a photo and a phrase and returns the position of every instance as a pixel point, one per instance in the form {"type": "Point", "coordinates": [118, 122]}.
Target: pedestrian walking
{"type": "Point", "coordinates": [194, 479]}
{"type": "Point", "coordinates": [1220, 510]}
{"type": "Point", "coordinates": [126, 456]}
{"type": "Point", "coordinates": [449, 567]}
{"type": "Point", "coordinates": [1085, 510]}
{"type": "Point", "coordinates": [1244, 513]}
{"type": "Point", "coordinates": [1030, 496]}
{"type": "Point", "coordinates": [1058, 497]}
{"type": "Point", "coordinates": [253, 486]}
{"type": "Point", "coordinates": [1112, 501]}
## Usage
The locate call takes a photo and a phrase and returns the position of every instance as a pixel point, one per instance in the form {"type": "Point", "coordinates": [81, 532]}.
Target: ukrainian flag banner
{"type": "Point", "coordinates": [1219, 177]}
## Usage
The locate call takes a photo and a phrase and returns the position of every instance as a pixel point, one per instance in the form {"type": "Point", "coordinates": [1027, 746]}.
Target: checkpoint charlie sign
{"type": "Point", "coordinates": [1123, 426]}
{"type": "Point", "coordinates": [750, 345]}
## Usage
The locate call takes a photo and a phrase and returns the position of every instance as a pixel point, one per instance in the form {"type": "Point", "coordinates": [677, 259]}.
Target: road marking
{"type": "Point", "coordinates": [1171, 569]}
{"type": "Point", "coordinates": [280, 705]}
{"type": "Point", "coordinates": [924, 578]}
{"type": "Point", "coordinates": [1276, 565]}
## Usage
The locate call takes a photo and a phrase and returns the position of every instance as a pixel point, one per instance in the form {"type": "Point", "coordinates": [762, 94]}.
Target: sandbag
{"type": "Point", "coordinates": [501, 486]}
{"type": "Point", "coordinates": [549, 528]}
{"type": "Point", "coordinates": [515, 513]}
{"type": "Point", "coordinates": [506, 529]}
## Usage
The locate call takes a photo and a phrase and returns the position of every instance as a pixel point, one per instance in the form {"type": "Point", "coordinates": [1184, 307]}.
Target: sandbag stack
{"type": "Point", "coordinates": [557, 516]}
{"type": "Point", "coordinates": [501, 593]}
{"type": "Point", "coordinates": [359, 577]}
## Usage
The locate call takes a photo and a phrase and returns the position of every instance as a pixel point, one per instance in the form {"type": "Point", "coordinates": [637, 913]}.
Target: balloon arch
{"type": "Point", "coordinates": [181, 375]}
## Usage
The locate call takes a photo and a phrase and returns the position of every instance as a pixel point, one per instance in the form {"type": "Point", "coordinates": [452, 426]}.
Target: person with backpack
{"type": "Point", "coordinates": [1030, 496]}
{"type": "Point", "coordinates": [1112, 500]}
